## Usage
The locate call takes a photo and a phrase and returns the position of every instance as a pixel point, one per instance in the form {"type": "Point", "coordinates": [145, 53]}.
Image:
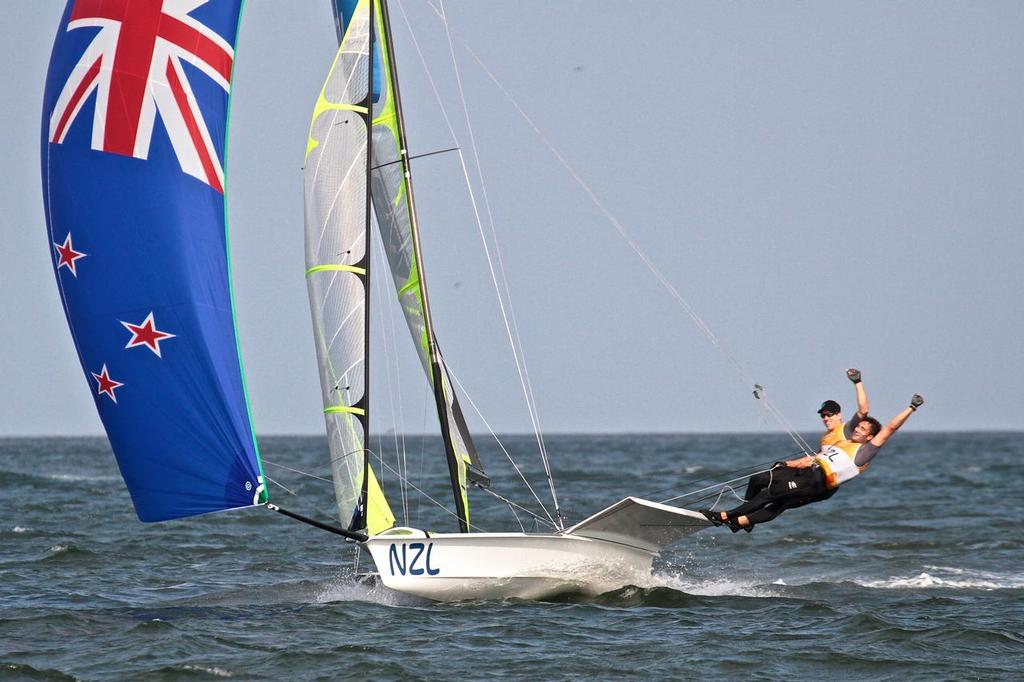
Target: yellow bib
{"type": "Point", "coordinates": [838, 462]}
{"type": "Point", "coordinates": [834, 436]}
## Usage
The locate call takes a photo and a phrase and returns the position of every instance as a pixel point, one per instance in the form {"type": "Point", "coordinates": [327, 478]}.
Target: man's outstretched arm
{"type": "Point", "coordinates": [893, 426]}
{"type": "Point", "coordinates": [862, 394]}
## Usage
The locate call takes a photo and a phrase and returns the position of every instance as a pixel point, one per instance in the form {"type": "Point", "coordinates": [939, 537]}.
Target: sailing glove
{"type": "Point", "coordinates": [916, 402]}
{"type": "Point", "coordinates": [853, 375]}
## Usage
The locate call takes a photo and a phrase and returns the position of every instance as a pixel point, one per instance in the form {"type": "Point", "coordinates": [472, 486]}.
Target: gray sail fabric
{"type": "Point", "coordinates": [336, 238]}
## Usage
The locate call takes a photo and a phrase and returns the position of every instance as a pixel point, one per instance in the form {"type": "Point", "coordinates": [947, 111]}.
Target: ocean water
{"type": "Point", "coordinates": [914, 571]}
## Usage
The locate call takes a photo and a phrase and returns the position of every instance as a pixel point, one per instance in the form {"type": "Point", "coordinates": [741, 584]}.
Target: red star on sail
{"type": "Point", "coordinates": [67, 255]}
{"type": "Point", "coordinates": [104, 384]}
{"type": "Point", "coordinates": [146, 334]}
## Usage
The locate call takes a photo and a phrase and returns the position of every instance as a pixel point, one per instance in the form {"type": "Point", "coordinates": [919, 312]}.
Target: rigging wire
{"type": "Point", "coordinates": [441, 506]}
{"type": "Point", "coordinates": [297, 471]}
{"type": "Point", "coordinates": [280, 485]}
{"type": "Point", "coordinates": [513, 506]}
{"type": "Point", "coordinates": [716, 486]}
{"type": "Point", "coordinates": [395, 389]}
{"type": "Point", "coordinates": [502, 446]}
{"type": "Point", "coordinates": [704, 481]}
{"type": "Point", "coordinates": [514, 341]}
{"type": "Point", "coordinates": [392, 470]}
{"type": "Point", "coordinates": [709, 480]}
{"type": "Point", "coordinates": [690, 311]}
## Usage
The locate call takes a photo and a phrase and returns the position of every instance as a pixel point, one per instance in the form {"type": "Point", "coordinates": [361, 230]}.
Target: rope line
{"type": "Point", "coordinates": [503, 449]}
{"type": "Point", "coordinates": [297, 471]}
{"type": "Point", "coordinates": [511, 328]}
{"type": "Point", "coordinates": [690, 311]}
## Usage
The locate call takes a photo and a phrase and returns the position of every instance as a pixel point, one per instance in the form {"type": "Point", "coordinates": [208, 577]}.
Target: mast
{"type": "Point", "coordinates": [437, 370]}
{"type": "Point", "coordinates": [366, 268]}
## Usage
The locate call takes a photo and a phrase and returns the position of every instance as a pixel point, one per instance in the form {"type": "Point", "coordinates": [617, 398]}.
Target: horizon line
{"type": "Point", "coordinates": [546, 433]}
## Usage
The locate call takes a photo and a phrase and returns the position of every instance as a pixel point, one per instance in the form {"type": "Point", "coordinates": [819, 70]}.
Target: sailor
{"type": "Point", "coordinates": [836, 428]}
{"type": "Point", "coordinates": [813, 478]}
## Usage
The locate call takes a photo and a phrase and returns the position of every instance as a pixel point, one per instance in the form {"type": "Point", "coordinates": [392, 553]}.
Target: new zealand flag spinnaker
{"type": "Point", "coordinates": [134, 128]}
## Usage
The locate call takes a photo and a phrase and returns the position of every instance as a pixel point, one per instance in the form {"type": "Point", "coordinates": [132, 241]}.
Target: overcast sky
{"type": "Point", "coordinates": [827, 184]}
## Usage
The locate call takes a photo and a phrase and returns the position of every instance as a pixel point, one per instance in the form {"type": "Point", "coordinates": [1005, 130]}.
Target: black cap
{"type": "Point", "coordinates": [830, 406]}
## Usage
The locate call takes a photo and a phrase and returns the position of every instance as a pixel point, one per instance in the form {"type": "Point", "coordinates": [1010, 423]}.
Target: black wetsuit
{"type": "Point", "coordinates": [772, 492]}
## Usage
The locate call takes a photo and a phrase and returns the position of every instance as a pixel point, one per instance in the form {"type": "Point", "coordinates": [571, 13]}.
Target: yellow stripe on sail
{"type": "Point", "coordinates": [335, 267]}
{"type": "Point", "coordinates": [344, 409]}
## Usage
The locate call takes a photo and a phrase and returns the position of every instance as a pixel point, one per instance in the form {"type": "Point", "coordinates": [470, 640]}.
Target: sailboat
{"type": "Point", "coordinates": [133, 138]}
{"type": "Point", "coordinates": [357, 163]}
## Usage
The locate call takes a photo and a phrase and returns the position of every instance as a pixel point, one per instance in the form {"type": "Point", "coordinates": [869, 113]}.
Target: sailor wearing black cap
{"type": "Point", "coordinates": [813, 478]}
{"type": "Point", "coordinates": [836, 430]}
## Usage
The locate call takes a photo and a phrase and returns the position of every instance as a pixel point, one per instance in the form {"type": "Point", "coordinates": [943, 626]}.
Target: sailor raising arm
{"type": "Point", "coordinates": [836, 428]}
{"type": "Point", "coordinates": [814, 478]}
{"type": "Point", "coordinates": [832, 416]}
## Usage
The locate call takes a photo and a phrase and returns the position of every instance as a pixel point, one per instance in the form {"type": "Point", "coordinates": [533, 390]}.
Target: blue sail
{"type": "Point", "coordinates": [134, 129]}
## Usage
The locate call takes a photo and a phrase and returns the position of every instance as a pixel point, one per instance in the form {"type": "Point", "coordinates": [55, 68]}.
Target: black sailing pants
{"type": "Point", "coordinates": [772, 492]}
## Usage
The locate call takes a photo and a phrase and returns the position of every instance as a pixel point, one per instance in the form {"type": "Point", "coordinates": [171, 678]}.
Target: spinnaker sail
{"type": "Point", "coordinates": [392, 199]}
{"type": "Point", "coordinates": [337, 217]}
{"type": "Point", "coordinates": [134, 131]}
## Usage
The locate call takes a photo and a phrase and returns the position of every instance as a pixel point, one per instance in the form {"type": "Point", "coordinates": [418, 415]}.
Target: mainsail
{"type": "Point", "coordinates": [338, 269]}
{"type": "Point", "coordinates": [392, 198]}
{"type": "Point", "coordinates": [133, 139]}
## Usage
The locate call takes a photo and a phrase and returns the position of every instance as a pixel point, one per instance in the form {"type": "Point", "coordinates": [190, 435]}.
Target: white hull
{"type": "Point", "coordinates": [454, 566]}
{"type": "Point", "coordinates": [612, 548]}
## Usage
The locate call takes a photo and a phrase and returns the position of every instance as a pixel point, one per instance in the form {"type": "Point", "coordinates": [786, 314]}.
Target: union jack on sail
{"type": "Point", "coordinates": [134, 65]}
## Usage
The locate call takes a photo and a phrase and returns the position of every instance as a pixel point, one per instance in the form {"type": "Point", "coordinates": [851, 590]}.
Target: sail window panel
{"type": "Point", "coordinates": [349, 76]}
{"type": "Point", "coordinates": [396, 235]}
{"type": "Point", "coordinates": [336, 191]}
{"type": "Point", "coordinates": [338, 303]}
{"type": "Point", "coordinates": [345, 438]}
{"type": "Point", "coordinates": [390, 203]}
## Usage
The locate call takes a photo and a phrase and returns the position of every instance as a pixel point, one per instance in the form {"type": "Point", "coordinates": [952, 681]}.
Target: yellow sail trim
{"type": "Point", "coordinates": [379, 516]}
{"type": "Point", "coordinates": [323, 104]}
{"type": "Point", "coordinates": [337, 267]}
{"type": "Point", "coordinates": [343, 409]}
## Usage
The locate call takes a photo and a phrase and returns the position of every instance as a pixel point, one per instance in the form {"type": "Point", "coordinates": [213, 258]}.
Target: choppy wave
{"type": "Point", "coordinates": [715, 586]}
{"type": "Point", "coordinates": [198, 672]}
{"type": "Point", "coordinates": [949, 577]}
{"type": "Point", "coordinates": [27, 672]}
{"type": "Point", "coordinates": [84, 478]}
{"type": "Point", "coordinates": [12, 478]}
{"type": "Point", "coordinates": [883, 579]}
{"type": "Point", "coordinates": [350, 588]}
{"type": "Point", "coordinates": [211, 670]}
{"type": "Point", "coordinates": [67, 551]}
